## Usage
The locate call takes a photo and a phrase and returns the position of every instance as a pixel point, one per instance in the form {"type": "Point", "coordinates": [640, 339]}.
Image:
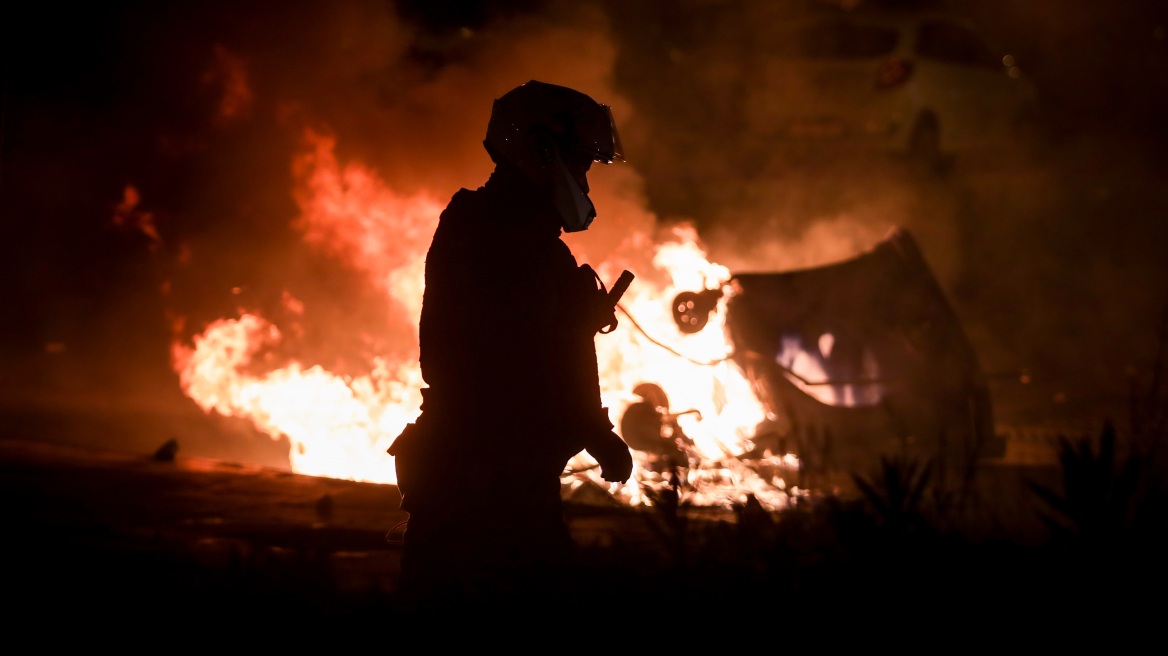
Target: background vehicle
{"type": "Point", "coordinates": [854, 361]}
{"type": "Point", "coordinates": [924, 84]}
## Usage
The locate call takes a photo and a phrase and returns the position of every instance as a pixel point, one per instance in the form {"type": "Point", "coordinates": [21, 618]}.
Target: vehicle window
{"type": "Point", "coordinates": [953, 43]}
{"type": "Point", "coordinates": [837, 39]}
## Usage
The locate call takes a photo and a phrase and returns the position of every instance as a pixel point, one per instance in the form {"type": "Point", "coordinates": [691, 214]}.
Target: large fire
{"type": "Point", "coordinates": [340, 426]}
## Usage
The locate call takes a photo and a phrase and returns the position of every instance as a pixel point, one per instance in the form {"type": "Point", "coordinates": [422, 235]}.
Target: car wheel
{"type": "Point", "coordinates": [924, 146]}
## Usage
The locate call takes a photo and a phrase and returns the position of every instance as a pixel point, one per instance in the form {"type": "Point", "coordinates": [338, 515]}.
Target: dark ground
{"type": "Point", "coordinates": [112, 537]}
{"type": "Point", "coordinates": [150, 547]}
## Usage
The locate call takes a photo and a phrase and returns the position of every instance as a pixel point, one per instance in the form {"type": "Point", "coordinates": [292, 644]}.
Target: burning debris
{"type": "Point", "coordinates": [716, 390]}
{"type": "Point", "coordinates": [859, 359]}
{"type": "Point", "coordinates": [339, 395]}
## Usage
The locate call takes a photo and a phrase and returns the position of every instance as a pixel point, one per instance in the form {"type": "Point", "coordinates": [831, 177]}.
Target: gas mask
{"type": "Point", "coordinates": [572, 203]}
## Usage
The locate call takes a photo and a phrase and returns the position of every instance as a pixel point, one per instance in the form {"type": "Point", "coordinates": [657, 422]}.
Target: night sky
{"type": "Point", "coordinates": [1057, 261]}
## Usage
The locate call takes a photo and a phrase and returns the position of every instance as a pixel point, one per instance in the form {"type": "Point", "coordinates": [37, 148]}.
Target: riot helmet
{"type": "Point", "coordinates": [546, 131]}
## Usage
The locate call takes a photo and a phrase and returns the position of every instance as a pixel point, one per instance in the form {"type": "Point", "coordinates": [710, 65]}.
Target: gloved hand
{"type": "Point", "coordinates": [607, 317]}
{"type": "Point", "coordinates": [616, 461]}
{"type": "Point", "coordinates": [599, 310]}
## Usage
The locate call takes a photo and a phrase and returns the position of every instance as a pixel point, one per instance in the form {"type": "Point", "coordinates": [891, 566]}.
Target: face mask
{"type": "Point", "coordinates": [572, 204]}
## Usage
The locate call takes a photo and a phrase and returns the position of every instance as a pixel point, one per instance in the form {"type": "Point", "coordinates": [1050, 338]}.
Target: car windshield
{"type": "Point", "coordinates": [837, 39]}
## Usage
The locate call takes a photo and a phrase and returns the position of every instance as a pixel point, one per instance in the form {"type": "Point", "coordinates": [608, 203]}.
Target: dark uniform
{"type": "Point", "coordinates": [507, 335]}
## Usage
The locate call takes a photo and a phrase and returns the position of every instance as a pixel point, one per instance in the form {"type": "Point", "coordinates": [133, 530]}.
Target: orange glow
{"type": "Point", "coordinates": [127, 215]}
{"type": "Point", "coordinates": [228, 76]}
{"type": "Point", "coordinates": [337, 427]}
{"type": "Point", "coordinates": [349, 213]}
{"type": "Point", "coordinates": [341, 426]}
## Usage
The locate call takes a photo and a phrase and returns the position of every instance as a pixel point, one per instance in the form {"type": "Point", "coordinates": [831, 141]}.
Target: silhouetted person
{"type": "Point", "coordinates": [508, 356]}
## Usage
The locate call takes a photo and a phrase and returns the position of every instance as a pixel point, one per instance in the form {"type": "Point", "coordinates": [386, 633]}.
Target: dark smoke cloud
{"type": "Point", "coordinates": [1053, 256]}
{"type": "Point", "coordinates": [1055, 261]}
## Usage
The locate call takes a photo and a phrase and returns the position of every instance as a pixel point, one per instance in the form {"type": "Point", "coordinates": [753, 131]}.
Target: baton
{"type": "Point", "coordinates": [620, 286]}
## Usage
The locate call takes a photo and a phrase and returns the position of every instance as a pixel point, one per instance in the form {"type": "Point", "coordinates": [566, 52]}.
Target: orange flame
{"type": "Point", "coordinates": [337, 427]}
{"type": "Point", "coordinates": [341, 426]}
{"type": "Point", "coordinates": [350, 214]}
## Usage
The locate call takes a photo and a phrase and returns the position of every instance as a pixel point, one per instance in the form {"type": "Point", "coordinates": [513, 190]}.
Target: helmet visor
{"type": "Point", "coordinates": [596, 135]}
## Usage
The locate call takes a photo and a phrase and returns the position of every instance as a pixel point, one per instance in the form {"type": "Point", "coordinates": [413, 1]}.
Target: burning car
{"type": "Point", "coordinates": [852, 361]}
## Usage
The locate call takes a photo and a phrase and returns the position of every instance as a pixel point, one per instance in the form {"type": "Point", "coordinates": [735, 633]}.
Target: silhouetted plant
{"type": "Point", "coordinates": [1097, 500]}
{"type": "Point", "coordinates": [1149, 404]}
{"type": "Point", "coordinates": [896, 493]}
{"type": "Point", "coordinates": [669, 520]}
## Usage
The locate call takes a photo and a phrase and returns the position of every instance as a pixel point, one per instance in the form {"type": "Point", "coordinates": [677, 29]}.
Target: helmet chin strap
{"type": "Point", "coordinates": [572, 204]}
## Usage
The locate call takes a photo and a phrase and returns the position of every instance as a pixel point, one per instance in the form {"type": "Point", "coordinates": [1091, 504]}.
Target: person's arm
{"type": "Point", "coordinates": [612, 454]}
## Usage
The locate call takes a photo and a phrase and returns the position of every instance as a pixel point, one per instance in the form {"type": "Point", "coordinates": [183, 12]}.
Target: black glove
{"type": "Point", "coordinates": [599, 308]}
{"type": "Point", "coordinates": [616, 461]}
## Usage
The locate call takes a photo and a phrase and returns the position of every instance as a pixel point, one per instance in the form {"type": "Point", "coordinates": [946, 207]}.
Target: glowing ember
{"type": "Point", "coordinates": [341, 426]}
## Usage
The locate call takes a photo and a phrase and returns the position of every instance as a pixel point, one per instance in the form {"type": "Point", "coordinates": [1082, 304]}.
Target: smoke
{"type": "Point", "coordinates": [203, 111]}
{"type": "Point", "coordinates": [1036, 246]}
